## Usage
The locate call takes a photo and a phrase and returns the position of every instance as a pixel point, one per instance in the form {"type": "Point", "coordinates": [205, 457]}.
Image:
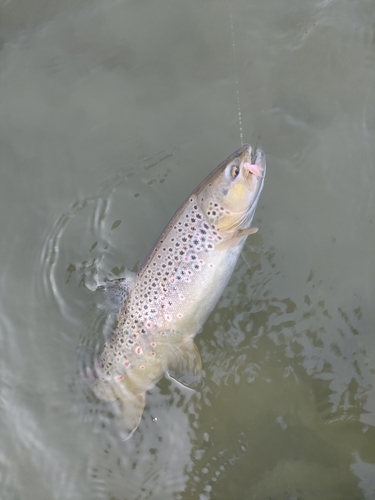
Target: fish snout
{"type": "Point", "coordinates": [257, 165]}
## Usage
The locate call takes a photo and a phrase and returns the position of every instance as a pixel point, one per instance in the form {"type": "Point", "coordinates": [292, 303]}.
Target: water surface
{"type": "Point", "coordinates": [111, 113]}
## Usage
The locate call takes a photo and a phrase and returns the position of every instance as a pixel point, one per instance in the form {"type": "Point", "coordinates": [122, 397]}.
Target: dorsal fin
{"type": "Point", "coordinates": [116, 292]}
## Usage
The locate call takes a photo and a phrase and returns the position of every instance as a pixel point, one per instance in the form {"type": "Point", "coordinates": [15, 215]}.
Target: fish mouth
{"type": "Point", "coordinates": [258, 164]}
{"type": "Point", "coordinates": [253, 164]}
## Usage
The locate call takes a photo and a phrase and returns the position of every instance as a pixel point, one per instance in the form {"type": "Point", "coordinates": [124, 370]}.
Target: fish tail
{"type": "Point", "coordinates": [130, 409]}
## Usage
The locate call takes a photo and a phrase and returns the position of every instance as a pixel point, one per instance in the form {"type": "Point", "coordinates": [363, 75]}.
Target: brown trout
{"type": "Point", "coordinates": [166, 303]}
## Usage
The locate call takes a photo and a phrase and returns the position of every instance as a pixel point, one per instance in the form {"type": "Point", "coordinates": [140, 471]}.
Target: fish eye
{"type": "Point", "coordinates": [235, 170]}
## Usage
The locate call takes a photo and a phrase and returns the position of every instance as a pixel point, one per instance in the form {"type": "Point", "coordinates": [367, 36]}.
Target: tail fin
{"type": "Point", "coordinates": [129, 412]}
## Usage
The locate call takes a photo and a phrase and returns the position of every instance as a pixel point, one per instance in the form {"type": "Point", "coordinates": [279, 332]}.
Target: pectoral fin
{"type": "Point", "coordinates": [246, 232]}
{"type": "Point", "coordinates": [236, 238]}
{"type": "Point", "coordinates": [185, 365]}
{"type": "Point", "coordinates": [129, 412]}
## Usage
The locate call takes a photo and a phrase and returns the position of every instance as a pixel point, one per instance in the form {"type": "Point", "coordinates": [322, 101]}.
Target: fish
{"type": "Point", "coordinates": [165, 304]}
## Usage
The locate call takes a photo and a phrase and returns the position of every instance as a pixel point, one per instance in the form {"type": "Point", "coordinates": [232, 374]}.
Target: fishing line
{"type": "Point", "coordinates": [236, 71]}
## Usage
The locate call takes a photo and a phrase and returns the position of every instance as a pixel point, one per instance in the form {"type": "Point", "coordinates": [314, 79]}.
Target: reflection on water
{"type": "Point", "coordinates": [110, 117]}
{"type": "Point", "coordinates": [253, 341]}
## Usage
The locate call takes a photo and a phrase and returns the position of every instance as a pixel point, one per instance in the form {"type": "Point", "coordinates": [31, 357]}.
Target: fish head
{"type": "Point", "coordinates": [229, 196]}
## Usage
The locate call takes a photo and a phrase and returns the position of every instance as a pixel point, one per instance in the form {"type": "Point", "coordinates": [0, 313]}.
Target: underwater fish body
{"type": "Point", "coordinates": [166, 303]}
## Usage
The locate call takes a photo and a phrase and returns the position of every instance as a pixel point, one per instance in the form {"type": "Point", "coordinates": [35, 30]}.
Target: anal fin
{"type": "Point", "coordinates": [185, 364]}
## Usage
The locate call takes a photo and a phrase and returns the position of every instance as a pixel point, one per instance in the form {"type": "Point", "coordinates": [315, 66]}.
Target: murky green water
{"type": "Point", "coordinates": [111, 112]}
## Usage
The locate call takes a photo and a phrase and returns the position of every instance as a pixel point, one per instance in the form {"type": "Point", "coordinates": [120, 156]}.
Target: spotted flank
{"type": "Point", "coordinates": [163, 306]}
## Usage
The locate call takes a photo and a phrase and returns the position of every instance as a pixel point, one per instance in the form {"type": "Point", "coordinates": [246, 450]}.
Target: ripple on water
{"type": "Point", "coordinates": [82, 249]}
{"type": "Point", "coordinates": [277, 367]}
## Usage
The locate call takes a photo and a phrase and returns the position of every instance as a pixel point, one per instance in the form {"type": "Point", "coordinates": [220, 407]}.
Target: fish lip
{"type": "Point", "coordinates": [247, 154]}
{"type": "Point", "coordinates": [259, 159]}
{"type": "Point", "coordinates": [251, 157]}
